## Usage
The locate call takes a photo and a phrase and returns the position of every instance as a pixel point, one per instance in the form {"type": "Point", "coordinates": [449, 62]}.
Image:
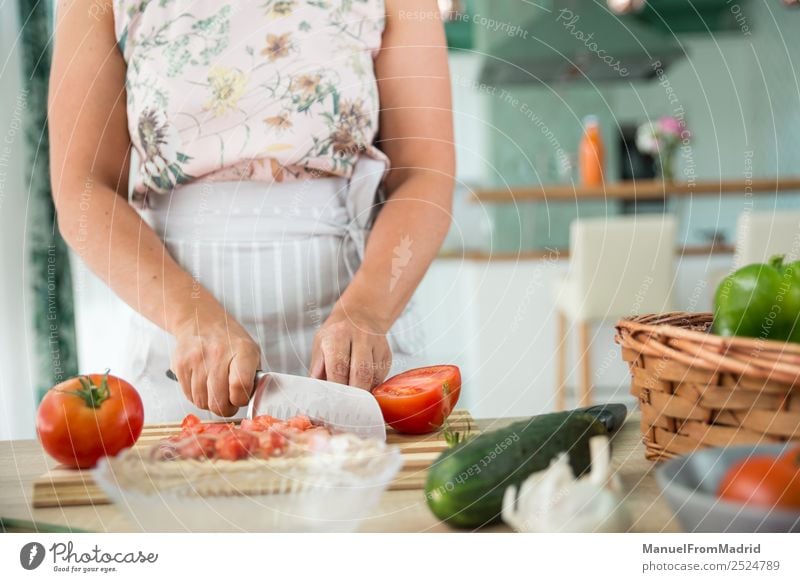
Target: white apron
{"type": "Point", "coordinates": [277, 256]}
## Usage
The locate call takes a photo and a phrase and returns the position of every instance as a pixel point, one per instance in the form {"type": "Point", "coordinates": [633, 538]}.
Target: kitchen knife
{"type": "Point", "coordinates": [340, 407]}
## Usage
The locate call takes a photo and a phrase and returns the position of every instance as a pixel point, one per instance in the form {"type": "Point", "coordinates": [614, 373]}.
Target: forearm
{"type": "Point", "coordinates": [406, 237]}
{"type": "Point", "coordinates": [119, 247]}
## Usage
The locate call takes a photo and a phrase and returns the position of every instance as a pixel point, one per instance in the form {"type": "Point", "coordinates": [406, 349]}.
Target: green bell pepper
{"type": "Point", "coordinates": [761, 301]}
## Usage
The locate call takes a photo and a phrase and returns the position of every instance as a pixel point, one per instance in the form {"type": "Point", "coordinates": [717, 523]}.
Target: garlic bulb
{"type": "Point", "coordinates": [552, 500]}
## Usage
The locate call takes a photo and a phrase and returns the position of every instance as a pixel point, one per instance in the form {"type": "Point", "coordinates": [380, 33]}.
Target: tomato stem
{"type": "Point", "coordinates": [92, 394]}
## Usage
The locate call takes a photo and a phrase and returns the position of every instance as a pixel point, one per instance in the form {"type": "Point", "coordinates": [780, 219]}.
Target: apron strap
{"type": "Point", "coordinates": [362, 204]}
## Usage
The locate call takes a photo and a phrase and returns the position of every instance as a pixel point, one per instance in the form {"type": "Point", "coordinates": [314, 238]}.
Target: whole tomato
{"type": "Point", "coordinates": [764, 481]}
{"type": "Point", "coordinates": [88, 417]}
{"type": "Point", "coordinates": [792, 457]}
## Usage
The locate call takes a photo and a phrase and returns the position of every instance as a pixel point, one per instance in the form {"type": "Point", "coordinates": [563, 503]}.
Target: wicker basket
{"type": "Point", "coordinates": [696, 389]}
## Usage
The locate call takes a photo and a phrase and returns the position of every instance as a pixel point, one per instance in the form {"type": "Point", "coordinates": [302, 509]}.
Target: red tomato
{"type": "Point", "coordinates": [218, 428]}
{"type": "Point", "coordinates": [190, 420]}
{"type": "Point", "coordinates": [792, 457]}
{"type": "Point", "coordinates": [259, 423]}
{"type": "Point", "coordinates": [271, 444]}
{"type": "Point", "coordinates": [765, 481]}
{"type": "Point", "coordinates": [300, 422]}
{"type": "Point", "coordinates": [197, 447]}
{"type": "Point", "coordinates": [236, 445]}
{"type": "Point", "coordinates": [88, 417]}
{"type": "Point", "coordinates": [419, 400]}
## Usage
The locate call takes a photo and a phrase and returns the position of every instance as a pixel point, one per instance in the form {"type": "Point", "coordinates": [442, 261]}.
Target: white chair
{"type": "Point", "coordinates": [761, 235]}
{"type": "Point", "coordinates": [618, 267]}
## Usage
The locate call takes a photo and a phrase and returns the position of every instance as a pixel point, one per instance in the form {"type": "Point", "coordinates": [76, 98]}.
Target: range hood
{"type": "Point", "coordinates": [547, 41]}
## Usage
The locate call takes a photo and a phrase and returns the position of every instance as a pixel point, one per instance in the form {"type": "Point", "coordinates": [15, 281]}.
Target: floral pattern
{"type": "Point", "coordinates": [272, 91]}
{"type": "Point", "coordinates": [227, 87]}
{"type": "Point", "coordinates": [160, 159]}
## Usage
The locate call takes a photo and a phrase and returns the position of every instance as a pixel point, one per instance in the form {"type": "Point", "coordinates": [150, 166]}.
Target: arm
{"type": "Point", "coordinates": [417, 135]}
{"type": "Point", "coordinates": [215, 359]}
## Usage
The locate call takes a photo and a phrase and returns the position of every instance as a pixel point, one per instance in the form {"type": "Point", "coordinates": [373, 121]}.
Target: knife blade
{"type": "Point", "coordinates": [340, 407]}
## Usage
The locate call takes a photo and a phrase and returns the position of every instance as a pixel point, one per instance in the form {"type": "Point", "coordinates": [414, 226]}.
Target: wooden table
{"type": "Point", "coordinates": [399, 511]}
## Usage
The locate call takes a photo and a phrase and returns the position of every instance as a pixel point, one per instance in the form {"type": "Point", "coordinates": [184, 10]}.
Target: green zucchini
{"type": "Point", "coordinates": [466, 483]}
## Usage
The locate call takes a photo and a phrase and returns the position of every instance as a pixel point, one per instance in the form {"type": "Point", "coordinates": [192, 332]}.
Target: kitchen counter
{"type": "Point", "coordinates": [399, 511]}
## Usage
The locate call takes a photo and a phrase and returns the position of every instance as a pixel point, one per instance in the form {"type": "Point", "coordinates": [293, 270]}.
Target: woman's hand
{"type": "Point", "coordinates": [215, 361]}
{"type": "Point", "coordinates": [351, 348]}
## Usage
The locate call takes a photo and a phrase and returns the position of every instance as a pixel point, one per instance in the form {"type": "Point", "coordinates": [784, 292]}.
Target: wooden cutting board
{"type": "Point", "coordinates": [61, 486]}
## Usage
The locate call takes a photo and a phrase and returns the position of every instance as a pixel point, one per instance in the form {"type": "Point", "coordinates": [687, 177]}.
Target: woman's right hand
{"type": "Point", "coordinates": [215, 361]}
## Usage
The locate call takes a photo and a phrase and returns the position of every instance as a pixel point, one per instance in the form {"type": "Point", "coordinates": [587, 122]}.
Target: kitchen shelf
{"type": "Point", "coordinates": [562, 254]}
{"type": "Point", "coordinates": [633, 190]}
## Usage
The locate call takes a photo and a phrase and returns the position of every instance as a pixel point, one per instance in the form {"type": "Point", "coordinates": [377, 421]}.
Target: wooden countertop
{"type": "Point", "coordinates": [630, 190]}
{"type": "Point", "coordinates": [399, 511]}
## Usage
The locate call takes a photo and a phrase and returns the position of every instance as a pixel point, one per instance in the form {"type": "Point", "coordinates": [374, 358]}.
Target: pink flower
{"type": "Point", "coordinates": [671, 126]}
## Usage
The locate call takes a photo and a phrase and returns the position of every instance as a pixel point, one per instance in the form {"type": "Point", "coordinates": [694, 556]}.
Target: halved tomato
{"type": "Point", "coordinates": [419, 400]}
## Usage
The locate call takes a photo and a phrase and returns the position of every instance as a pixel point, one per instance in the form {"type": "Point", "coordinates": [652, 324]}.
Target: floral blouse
{"type": "Point", "coordinates": [265, 90]}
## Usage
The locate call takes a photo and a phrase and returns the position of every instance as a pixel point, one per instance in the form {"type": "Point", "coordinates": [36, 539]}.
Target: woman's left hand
{"type": "Point", "coordinates": [351, 348]}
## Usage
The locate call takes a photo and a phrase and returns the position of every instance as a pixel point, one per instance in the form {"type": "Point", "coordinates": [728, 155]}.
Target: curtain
{"type": "Point", "coordinates": [48, 272]}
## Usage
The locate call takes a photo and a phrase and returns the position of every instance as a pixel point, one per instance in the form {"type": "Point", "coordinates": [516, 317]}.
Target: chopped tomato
{"type": "Point", "coordinates": [258, 423]}
{"type": "Point", "coordinates": [420, 400]}
{"type": "Point", "coordinates": [263, 436]}
{"type": "Point", "coordinates": [197, 447]}
{"type": "Point", "coordinates": [300, 422]}
{"type": "Point", "coordinates": [250, 424]}
{"type": "Point", "coordinates": [271, 444]}
{"type": "Point", "coordinates": [189, 421]}
{"type": "Point", "coordinates": [236, 445]}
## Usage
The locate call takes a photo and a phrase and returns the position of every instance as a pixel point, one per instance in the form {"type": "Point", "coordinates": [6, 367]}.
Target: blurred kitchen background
{"type": "Point", "coordinates": [530, 79]}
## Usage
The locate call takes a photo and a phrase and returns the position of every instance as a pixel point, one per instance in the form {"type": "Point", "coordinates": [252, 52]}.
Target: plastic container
{"type": "Point", "coordinates": [591, 153]}
{"type": "Point", "coordinates": [326, 491]}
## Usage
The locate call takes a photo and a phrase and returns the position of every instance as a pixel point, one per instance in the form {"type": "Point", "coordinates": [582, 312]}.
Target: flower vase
{"type": "Point", "coordinates": [666, 166]}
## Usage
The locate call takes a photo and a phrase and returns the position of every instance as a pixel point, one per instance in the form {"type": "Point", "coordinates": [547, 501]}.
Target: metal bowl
{"type": "Point", "coordinates": [690, 482]}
